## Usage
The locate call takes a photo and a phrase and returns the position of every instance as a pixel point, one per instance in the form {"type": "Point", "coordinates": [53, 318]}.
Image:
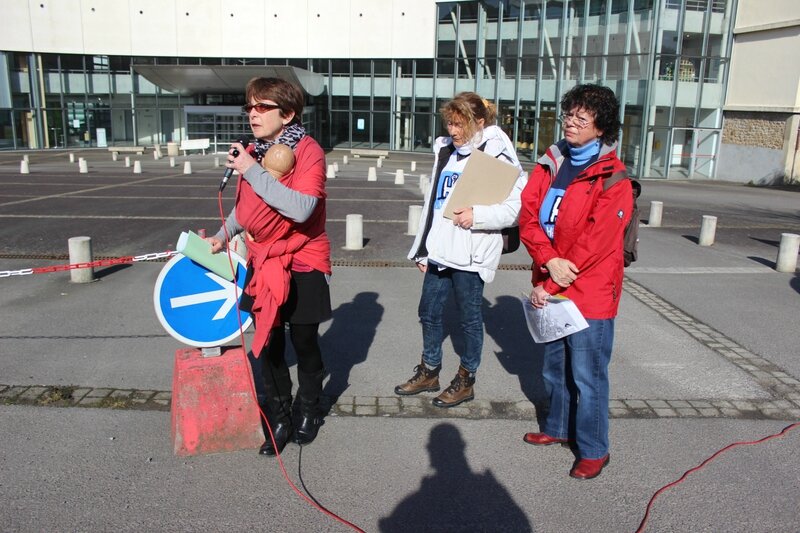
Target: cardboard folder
{"type": "Point", "coordinates": [486, 180]}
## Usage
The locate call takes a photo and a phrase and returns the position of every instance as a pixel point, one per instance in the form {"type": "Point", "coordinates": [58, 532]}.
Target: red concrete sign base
{"type": "Point", "coordinates": [213, 409]}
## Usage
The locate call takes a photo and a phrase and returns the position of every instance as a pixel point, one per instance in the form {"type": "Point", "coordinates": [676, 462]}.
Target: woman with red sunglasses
{"type": "Point", "coordinates": [289, 263]}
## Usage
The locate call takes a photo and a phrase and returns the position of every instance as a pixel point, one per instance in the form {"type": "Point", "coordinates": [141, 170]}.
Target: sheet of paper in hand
{"type": "Point", "coordinates": [485, 181]}
{"type": "Point", "coordinates": [559, 318]}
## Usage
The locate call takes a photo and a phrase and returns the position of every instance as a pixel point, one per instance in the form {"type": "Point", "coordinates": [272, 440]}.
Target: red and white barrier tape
{"type": "Point", "coordinates": [92, 264]}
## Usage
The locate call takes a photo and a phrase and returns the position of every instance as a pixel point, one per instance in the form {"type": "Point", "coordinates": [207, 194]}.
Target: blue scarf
{"type": "Point", "coordinates": [580, 155]}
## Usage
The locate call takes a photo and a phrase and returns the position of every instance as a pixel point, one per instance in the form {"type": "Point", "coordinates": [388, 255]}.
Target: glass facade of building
{"type": "Point", "coordinates": [667, 61]}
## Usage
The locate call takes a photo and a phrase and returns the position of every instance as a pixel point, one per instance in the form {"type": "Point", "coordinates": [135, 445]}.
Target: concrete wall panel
{"type": "Point", "coordinates": [105, 28]}
{"type": "Point", "coordinates": [153, 28]}
{"type": "Point", "coordinates": [198, 27]}
{"type": "Point", "coordinates": [56, 26]}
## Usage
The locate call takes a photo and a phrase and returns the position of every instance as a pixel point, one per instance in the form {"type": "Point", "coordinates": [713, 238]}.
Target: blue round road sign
{"type": "Point", "coordinates": [198, 307]}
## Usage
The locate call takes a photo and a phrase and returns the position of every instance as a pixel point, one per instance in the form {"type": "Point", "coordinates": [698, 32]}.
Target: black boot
{"type": "Point", "coordinates": [309, 389]}
{"type": "Point", "coordinates": [281, 432]}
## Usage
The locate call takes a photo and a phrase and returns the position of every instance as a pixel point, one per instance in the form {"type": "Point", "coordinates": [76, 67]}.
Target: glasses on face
{"type": "Point", "coordinates": [261, 108]}
{"type": "Point", "coordinates": [578, 122]}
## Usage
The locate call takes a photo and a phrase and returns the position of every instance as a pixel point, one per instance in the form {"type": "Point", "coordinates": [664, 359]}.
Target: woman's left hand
{"type": "Point", "coordinates": [463, 217]}
{"type": "Point", "coordinates": [242, 162]}
{"type": "Point", "coordinates": [539, 297]}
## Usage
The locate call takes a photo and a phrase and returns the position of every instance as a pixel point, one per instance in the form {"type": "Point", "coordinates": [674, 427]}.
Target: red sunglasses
{"type": "Point", "coordinates": [261, 108]}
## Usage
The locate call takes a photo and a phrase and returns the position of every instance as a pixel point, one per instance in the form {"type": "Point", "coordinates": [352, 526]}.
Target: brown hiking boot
{"type": "Point", "coordinates": [459, 391]}
{"type": "Point", "coordinates": [424, 380]}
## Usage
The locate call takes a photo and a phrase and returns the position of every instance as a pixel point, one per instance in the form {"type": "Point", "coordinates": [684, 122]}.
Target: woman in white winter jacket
{"type": "Point", "coordinates": [463, 253]}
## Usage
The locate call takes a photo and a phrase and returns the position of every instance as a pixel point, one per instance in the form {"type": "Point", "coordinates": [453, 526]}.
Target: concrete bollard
{"type": "Point", "coordinates": [24, 168]}
{"type": "Point", "coordinates": [344, 159]}
{"type": "Point", "coordinates": [379, 164]}
{"type": "Point", "coordinates": [187, 167]}
{"type": "Point", "coordinates": [336, 166]}
{"type": "Point", "coordinates": [414, 214]}
{"type": "Point", "coordinates": [354, 232]}
{"type": "Point", "coordinates": [331, 173]}
{"type": "Point", "coordinates": [137, 167]}
{"type": "Point", "coordinates": [83, 166]}
{"type": "Point", "coordinates": [114, 156]}
{"type": "Point", "coordinates": [216, 162]}
{"type": "Point", "coordinates": [372, 175]}
{"type": "Point", "coordinates": [399, 177]}
{"type": "Point", "coordinates": [26, 158]}
{"type": "Point", "coordinates": [423, 181]}
{"type": "Point", "coordinates": [155, 155]}
{"type": "Point", "coordinates": [172, 161]}
{"type": "Point", "coordinates": [413, 166]}
{"type": "Point", "coordinates": [787, 252]}
{"type": "Point", "coordinates": [80, 251]}
{"type": "Point", "coordinates": [127, 161]}
{"type": "Point", "coordinates": [707, 230]}
{"type": "Point", "coordinates": [656, 208]}
{"type": "Point", "coordinates": [71, 158]}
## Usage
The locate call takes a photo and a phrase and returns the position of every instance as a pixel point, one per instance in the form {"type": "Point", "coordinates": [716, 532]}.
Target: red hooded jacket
{"type": "Point", "coordinates": [588, 230]}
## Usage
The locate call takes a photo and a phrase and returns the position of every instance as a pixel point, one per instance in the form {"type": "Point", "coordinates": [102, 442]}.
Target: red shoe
{"type": "Point", "coordinates": [589, 468]}
{"type": "Point", "coordinates": [542, 439]}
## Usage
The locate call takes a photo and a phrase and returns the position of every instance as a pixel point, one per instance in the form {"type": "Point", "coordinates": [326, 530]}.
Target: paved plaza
{"type": "Point", "coordinates": [706, 354]}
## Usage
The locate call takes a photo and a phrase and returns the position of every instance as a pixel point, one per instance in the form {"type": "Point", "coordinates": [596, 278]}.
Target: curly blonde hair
{"type": "Point", "coordinates": [468, 108]}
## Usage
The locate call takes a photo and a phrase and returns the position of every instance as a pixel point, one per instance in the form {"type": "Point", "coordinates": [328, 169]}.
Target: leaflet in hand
{"type": "Point", "coordinates": [559, 318]}
{"type": "Point", "coordinates": [199, 250]}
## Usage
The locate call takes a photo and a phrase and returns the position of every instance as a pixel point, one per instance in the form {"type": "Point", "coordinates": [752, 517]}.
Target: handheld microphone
{"type": "Point", "coordinates": [244, 141]}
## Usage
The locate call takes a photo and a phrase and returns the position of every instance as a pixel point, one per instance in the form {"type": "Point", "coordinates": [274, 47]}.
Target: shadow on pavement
{"type": "Point", "coordinates": [519, 355]}
{"type": "Point", "coordinates": [347, 341]}
{"type": "Point", "coordinates": [454, 498]}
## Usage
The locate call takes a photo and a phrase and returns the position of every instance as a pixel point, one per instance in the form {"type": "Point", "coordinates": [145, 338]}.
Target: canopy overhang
{"type": "Point", "coordinates": [225, 79]}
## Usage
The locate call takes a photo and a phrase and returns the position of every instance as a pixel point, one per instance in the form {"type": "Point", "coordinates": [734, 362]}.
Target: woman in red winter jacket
{"type": "Point", "coordinates": [573, 229]}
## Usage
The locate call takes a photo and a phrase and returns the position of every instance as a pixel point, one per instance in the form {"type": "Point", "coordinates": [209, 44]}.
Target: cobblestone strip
{"type": "Point", "coordinates": [784, 388]}
{"type": "Point", "coordinates": [413, 406]}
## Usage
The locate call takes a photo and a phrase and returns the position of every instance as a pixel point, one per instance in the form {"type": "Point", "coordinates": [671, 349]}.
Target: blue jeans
{"type": "Point", "coordinates": [468, 290]}
{"type": "Point", "coordinates": [575, 374]}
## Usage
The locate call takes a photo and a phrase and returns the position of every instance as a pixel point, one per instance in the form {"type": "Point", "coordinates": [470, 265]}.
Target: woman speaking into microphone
{"type": "Point", "coordinates": [288, 263]}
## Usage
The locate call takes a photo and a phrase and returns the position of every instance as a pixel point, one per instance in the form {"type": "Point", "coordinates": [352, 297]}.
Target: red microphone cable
{"type": "Point", "coordinates": [704, 463]}
{"type": "Point", "coordinates": [312, 502]}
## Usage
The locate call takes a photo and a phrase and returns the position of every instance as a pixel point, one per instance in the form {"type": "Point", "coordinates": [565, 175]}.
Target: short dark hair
{"type": "Point", "coordinates": [600, 101]}
{"type": "Point", "coordinates": [286, 94]}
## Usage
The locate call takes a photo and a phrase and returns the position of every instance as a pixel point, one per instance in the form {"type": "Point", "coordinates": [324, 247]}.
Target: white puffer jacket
{"type": "Point", "coordinates": [477, 249]}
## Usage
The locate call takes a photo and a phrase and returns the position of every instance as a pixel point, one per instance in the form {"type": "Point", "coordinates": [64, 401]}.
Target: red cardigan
{"type": "Point", "coordinates": [588, 231]}
{"type": "Point", "coordinates": [278, 241]}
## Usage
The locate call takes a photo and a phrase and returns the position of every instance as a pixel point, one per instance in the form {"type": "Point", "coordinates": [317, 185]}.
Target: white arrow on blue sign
{"type": "Point", "coordinates": [198, 307]}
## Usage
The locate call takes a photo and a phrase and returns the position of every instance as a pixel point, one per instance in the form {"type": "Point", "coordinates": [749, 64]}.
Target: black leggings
{"type": "Point", "coordinates": [306, 345]}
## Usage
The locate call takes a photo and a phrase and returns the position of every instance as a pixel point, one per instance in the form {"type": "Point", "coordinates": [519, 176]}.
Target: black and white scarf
{"type": "Point", "coordinates": [290, 136]}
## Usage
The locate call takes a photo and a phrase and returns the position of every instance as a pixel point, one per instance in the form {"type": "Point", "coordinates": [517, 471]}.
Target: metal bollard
{"type": "Point", "coordinates": [414, 214]}
{"type": "Point", "coordinates": [399, 177]}
{"type": "Point", "coordinates": [137, 167]}
{"type": "Point", "coordinates": [787, 252]}
{"type": "Point", "coordinates": [80, 251]}
{"type": "Point", "coordinates": [187, 167]}
{"type": "Point", "coordinates": [656, 208]}
{"type": "Point", "coordinates": [372, 175]}
{"type": "Point", "coordinates": [354, 232]}
{"type": "Point", "coordinates": [707, 230]}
